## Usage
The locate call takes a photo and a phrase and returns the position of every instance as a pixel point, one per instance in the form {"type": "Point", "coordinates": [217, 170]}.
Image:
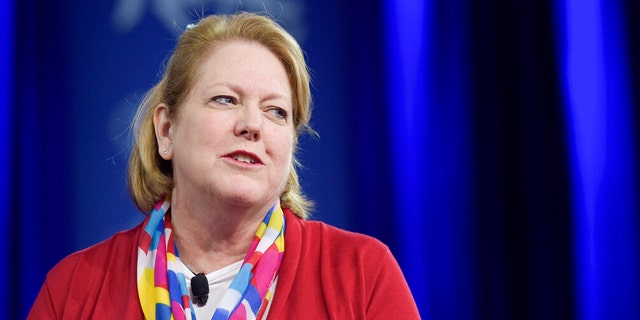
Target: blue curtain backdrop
{"type": "Point", "coordinates": [492, 145]}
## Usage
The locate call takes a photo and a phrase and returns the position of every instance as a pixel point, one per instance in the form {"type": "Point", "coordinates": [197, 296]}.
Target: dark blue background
{"type": "Point", "coordinates": [493, 145]}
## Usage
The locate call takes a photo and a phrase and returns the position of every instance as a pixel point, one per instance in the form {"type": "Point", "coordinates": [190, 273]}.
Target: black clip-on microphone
{"type": "Point", "coordinates": [200, 289]}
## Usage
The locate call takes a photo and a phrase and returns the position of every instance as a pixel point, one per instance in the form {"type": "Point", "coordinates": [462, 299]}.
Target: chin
{"type": "Point", "coordinates": [247, 194]}
{"type": "Point", "coordinates": [246, 200]}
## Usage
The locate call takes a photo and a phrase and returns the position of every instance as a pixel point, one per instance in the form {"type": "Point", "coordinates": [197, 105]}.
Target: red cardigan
{"type": "Point", "coordinates": [327, 273]}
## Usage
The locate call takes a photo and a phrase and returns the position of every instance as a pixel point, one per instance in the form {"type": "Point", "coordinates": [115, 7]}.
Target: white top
{"type": "Point", "coordinates": [219, 281]}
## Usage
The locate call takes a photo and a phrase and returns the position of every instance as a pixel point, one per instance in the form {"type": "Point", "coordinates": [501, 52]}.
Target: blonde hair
{"type": "Point", "coordinates": [150, 176]}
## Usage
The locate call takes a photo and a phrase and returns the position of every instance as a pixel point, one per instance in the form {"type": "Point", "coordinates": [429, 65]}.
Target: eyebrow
{"type": "Point", "coordinates": [238, 89]}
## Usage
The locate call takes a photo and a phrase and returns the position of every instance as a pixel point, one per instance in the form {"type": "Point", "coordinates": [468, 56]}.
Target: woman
{"type": "Point", "coordinates": [213, 163]}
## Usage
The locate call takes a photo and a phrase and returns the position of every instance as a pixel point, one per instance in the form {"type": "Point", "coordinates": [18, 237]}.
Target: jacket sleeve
{"type": "Point", "coordinates": [43, 307]}
{"type": "Point", "coordinates": [95, 283]}
{"type": "Point", "coordinates": [49, 303]}
{"type": "Point", "coordinates": [390, 297]}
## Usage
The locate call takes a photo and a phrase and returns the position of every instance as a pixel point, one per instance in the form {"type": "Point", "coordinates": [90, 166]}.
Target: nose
{"type": "Point", "coordinates": [249, 123]}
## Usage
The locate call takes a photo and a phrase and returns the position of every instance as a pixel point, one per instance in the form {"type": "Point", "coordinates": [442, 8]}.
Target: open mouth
{"type": "Point", "coordinates": [245, 158]}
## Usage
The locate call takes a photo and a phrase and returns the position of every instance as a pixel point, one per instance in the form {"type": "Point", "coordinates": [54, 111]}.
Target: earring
{"type": "Point", "coordinates": [165, 151]}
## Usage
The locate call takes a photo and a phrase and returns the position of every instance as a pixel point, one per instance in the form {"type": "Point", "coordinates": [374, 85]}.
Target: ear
{"type": "Point", "coordinates": [163, 126]}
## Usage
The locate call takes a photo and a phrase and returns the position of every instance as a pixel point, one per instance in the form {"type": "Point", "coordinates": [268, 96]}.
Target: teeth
{"type": "Point", "coordinates": [244, 158]}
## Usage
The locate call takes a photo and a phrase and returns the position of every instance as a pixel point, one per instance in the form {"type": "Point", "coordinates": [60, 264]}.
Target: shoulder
{"type": "Point", "coordinates": [91, 257]}
{"type": "Point", "coordinates": [85, 270]}
{"type": "Point", "coordinates": [319, 245]}
{"type": "Point", "coordinates": [92, 280]}
{"type": "Point", "coordinates": [93, 263]}
{"type": "Point", "coordinates": [341, 274]}
{"type": "Point", "coordinates": [320, 235]}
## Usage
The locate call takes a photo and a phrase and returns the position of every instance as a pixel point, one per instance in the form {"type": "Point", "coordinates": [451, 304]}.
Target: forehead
{"type": "Point", "coordinates": [245, 61]}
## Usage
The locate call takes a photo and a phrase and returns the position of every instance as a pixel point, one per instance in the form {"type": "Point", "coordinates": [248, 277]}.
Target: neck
{"type": "Point", "coordinates": [213, 235]}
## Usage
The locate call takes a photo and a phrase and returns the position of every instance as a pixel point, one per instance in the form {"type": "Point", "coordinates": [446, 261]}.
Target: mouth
{"type": "Point", "coordinates": [244, 157]}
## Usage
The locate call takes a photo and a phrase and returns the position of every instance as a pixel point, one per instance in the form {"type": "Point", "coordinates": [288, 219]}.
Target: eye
{"type": "Point", "coordinates": [279, 113]}
{"type": "Point", "coordinates": [225, 100]}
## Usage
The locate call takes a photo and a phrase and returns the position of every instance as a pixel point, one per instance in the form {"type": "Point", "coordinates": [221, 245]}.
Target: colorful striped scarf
{"type": "Point", "coordinates": [162, 288]}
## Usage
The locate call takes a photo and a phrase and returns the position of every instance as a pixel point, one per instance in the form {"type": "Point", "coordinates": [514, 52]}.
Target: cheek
{"type": "Point", "coordinates": [281, 151]}
{"type": "Point", "coordinates": [206, 130]}
{"type": "Point", "coordinates": [285, 147]}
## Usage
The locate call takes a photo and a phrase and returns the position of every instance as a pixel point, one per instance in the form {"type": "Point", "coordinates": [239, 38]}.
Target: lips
{"type": "Point", "coordinates": [244, 157]}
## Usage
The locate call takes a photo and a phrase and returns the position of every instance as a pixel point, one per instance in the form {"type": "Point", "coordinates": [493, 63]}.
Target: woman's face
{"type": "Point", "coordinates": [232, 139]}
